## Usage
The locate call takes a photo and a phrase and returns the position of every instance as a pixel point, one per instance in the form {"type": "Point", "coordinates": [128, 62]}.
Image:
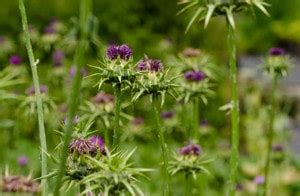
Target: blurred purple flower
{"type": "Point", "coordinates": [22, 161]}
{"type": "Point", "coordinates": [19, 184]}
{"type": "Point", "coordinates": [58, 57]}
{"type": "Point", "coordinates": [239, 187]}
{"type": "Point", "coordinates": [138, 121]}
{"type": "Point", "coordinates": [99, 142]}
{"type": "Point", "coordinates": [72, 72]}
{"type": "Point", "coordinates": [191, 149]}
{"type": "Point", "coordinates": [153, 65]}
{"type": "Point", "coordinates": [167, 114]}
{"type": "Point", "coordinates": [277, 148]}
{"type": "Point", "coordinates": [204, 122]}
{"type": "Point", "coordinates": [51, 28]}
{"type": "Point", "coordinates": [15, 60]}
{"type": "Point", "coordinates": [259, 180]}
{"type": "Point", "coordinates": [191, 52]}
{"type": "Point", "coordinates": [2, 39]}
{"type": "Point", "coordinates": [31, 90]}
{"type": "Point", "coordinates": [194, 76]}
{"type": "Point", "coordinates": [276, 51]}
{"type": "Point", "coordinates": [103, 98]}
{"type": "Point", "coordinates": [76, 120]}
{"type": "Point", "coordinates": [115, 51]}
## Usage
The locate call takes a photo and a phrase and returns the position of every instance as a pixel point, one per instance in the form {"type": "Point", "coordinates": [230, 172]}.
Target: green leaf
{"type": "Point", "coordinates": [210, 11]}
{"type": "Point", "coordinates": [198, 12]}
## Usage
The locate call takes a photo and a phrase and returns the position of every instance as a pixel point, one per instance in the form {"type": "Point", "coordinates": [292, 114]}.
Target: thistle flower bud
{"type": "Point", "coordinates": [82, 146]}
{"type": "Point", "coordinates": [31, 90]}
{"type": "Point", "coordinates": [22, 161]}
{"type": "Point", "coordinates": [276, 51]}
{"type": "Point", "coordinates": [194, 76]}
{"type": "Point", "coordinates": [19, 184]}
{"type": "Point", "coordinates": [259, 180]}
{"type": "Point", "coordinates": [15, 60]}
{"type": "Point", "coordinates": [138, 121]}
{"type": "Point", "coordinates": [57, 57]}
{"type": "Point", "coordinates": [123, 52]}
{"type": "Point", "coordinates": [72, 72]}
{"type": "Point", "coordinates": [103, 98]}
{"type": "Point", "coordinates": [191, 149]}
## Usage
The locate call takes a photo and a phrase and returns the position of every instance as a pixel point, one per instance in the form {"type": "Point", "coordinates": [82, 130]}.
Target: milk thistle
{"type": "Point", "coordinates": [276, 66]}
{"type": "Point", "coordinates": [205, 11]}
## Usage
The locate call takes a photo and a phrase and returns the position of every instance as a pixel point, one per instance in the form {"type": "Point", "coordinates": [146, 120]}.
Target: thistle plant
{"type": "Point", "coordinates": [8, 78]}
{"type": "Point", "coordinates": [118, 70]}
{"type": "Point", "coordinates": [276, 66]}
{"type": "Point", "coordinates": [205, 10]}
{"type": "Point", "coordinates": [155, 81]}
{"type": "Point", "coordinates": [190, 161]}
{"type": "Point", "coordinates": [114, 175]}
{"type": "Point", "coordinates": [39, 102]}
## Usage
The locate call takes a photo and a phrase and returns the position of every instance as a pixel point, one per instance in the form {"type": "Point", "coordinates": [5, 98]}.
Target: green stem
{"type": "Point", "coordinates": [39, 103]}
{"type": "Point", "coordinates": [235, 110]}
{"type": "Point", "coordinates": [187, 189]}
{"type": "Point", "coordinates": [270, 134]}
{"type": "Point", "coordinates": [118, 101]}
{"type": "Point", "coordinates": [196, 119]}
{"type": "Point", "coordinates": [85, 7]}
{"type": "Point", "coordinates": [164, 148]}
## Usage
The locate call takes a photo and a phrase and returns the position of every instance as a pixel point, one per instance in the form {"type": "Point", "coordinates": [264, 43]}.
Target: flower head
{"type": "Point", "coordinates": [22, 161]}
{"type": "Point", "coordinates": [122, 51]}
{"type": "Point", "coordinates": [194, 76]}
{"type": "Point", "coordinates": [276, 51]}
{"type": "Point", "coordinates": [15, 60]}
{"type": "Point", "coordinates": [19, 184]}
{"type": "Point", "coordinates": [98, 141]}
{"type": "Point", "coordinates": [259, 180]}
{"type": "Point", "coordinates": [58, 57]}
{"type": "Point", "coordinates": [138, 121]}
{"type": "Point", "coordinates": [153, 65]}
{"type": "Point", "coordinates": [277, 148]}
{"type": "Point", "coordinates": [103, 98]}
{"type": "Point", "coordinates": [72, 72]}
{"type": "Point", "coordinates": [31, 90]}
{"type": "Point", "coordinates": [191, 149]}
{"type": "Point", "coordinates": [83, 146]}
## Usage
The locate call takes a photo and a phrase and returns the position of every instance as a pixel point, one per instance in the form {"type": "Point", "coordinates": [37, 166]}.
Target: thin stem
{"type": "Point", "coordinates": [85, 7]}
{"type": "Point", "coordinates": [164, 148]}
{"type": "Point", "coordinates": [39, 103]}
{"type": "Point", "coordinates": [270, 134]}
{"type": "Point", "coordinates": [187, 189]}
{"type": "Point", "coordinates": [196, 119]}
{"type": "Point", "coordinates": [118, 101]}
{"type": "Point", "coordinates": [235, 110]}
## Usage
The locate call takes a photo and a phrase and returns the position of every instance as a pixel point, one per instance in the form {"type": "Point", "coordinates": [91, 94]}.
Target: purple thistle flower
{"type": "Point", "coordinates": [19, 184]}
{"type": "Point", "coordinates": [22, 161]}
{"type": "Point", "coordinates": [138, 121]}
{"type": "Point", "coordinates": [276, 51]}
{"type": "Point", "coordinates": [123, 51]}
{"type": "Point", "coordinates": [76, 120]}
{"type": "Point", "coordinates": [259, 180]}
{"type": "Point", "coordinates": [99, 142]}
{"type": "Point", "coordinates": [277, 148]}
{"type": "Point", "coordinates": [51, 28]}
{"type": "Point", "coordinates": [2, 39]}
{"type": "Point", "coordinates": [103, 98]}
{"type": "Point", "coordinates": [31, 91]}
{"type": "Point", "coordinates": [191, 149]}
{"type": "Point", "coordinates": [194, 76]}
{"type": "Point", "coordinates": [82, 146]}
{"type": "Point", "coordinates": [239, 187]}
{"type": "Point", "coordinates": [153, 65]}
{"type": "Point", "coordinates": [57, 57]}
{"type": "Point", "coordinates": [167, 114]}
{"type": "Point", "coordinates": [15, 60]}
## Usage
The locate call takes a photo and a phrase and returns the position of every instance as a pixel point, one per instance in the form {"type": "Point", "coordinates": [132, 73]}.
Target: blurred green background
{"type": "Point", "coordinates": [146, 24]}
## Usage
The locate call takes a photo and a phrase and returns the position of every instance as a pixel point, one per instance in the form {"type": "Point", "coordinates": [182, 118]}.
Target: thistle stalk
{"type": "Point", "coordinates": [85, 7]}
{"type": "Point", "coordinates": [118, 101]}
{"type": "Point", "coordinates": [160, 135]}
{"type": "Point", "coordinates": [196, 119]}
{"type": "Point", "coordinates": [187, 189]}
{"type": "Point", "coordinates": [39, 102]}
{"type": "Point", "coordinates": [270, 134]}
{"type": "Point", "coordinates": [235, 110]}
